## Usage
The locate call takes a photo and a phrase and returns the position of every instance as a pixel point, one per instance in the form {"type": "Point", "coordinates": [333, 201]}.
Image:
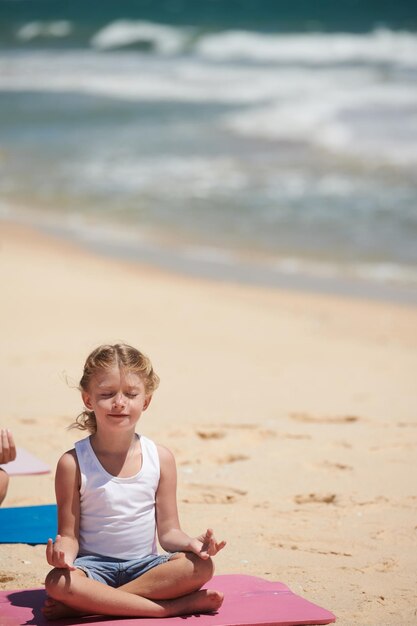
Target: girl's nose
{"type": "Point", "coordinates": [119, 400]}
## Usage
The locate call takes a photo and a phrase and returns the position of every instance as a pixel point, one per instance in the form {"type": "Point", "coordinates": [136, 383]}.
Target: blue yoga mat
{"type": "Point", "coordinates": [28, 524]}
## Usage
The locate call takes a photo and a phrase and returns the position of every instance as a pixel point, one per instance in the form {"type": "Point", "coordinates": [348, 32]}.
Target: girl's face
{"type": "Point", "coordinates": [117, 398]}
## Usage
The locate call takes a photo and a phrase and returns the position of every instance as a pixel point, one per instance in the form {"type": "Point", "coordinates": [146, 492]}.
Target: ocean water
{"type": "Point", "coordinates": [255, 141]}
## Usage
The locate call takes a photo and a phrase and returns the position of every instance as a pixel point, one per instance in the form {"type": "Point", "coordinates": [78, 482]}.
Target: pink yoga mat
{"type": "Point", "coordinates": [249, 601]}
{"type": "Point", "coordinates": [25, 463]}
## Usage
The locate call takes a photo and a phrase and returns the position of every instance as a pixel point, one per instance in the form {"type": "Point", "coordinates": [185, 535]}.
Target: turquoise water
{"type": "Point", "coordinates": [253, 141]}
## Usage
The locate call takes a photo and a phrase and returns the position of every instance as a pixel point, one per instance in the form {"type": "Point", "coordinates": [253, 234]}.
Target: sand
{"type": "Point", "coordinates": [292, 416]}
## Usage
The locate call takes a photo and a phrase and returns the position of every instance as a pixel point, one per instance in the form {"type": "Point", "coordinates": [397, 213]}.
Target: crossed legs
{"type": "Point", "coordinates": [172, 588]}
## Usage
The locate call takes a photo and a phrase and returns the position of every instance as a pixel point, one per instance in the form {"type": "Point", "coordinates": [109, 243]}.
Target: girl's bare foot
{"type": "Point", "coordinates": [203, 601]}
{"type": "Point", "coordinates": [53, 609]}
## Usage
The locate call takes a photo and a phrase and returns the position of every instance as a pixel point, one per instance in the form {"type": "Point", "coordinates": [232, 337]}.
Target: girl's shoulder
{"type": "Point", "coordinates": [163, 451]}
{"type": "Point", "coordinates": [68, 461]}
{"type": "Point", "coordinates": [166, 457]}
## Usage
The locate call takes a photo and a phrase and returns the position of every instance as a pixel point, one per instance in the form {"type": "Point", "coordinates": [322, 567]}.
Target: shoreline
{"type": "Point", "coordinates": [207, 266]}
{"type": "Point", "coordinates": [291, 415]}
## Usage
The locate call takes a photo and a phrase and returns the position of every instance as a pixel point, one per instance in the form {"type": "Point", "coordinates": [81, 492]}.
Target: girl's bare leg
{"type": "Point", "coordinates": [72, 592]}
{"type": "Point", "coordinates": [181, 575]}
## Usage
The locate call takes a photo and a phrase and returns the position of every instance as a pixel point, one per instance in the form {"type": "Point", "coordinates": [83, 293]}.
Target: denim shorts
{"type": "Point", "coordinates": [117, 572]}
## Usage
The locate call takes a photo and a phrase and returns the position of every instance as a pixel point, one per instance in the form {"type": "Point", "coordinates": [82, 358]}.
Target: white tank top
{"type": "Point", "coordinates": [117, 516]}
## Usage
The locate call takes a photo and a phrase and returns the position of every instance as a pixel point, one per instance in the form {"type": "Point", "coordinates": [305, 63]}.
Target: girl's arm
{"type": "Point", "coordinates": [62, 552]}
{"type": "Point", "coordinates": [7, 446]}
{"type": "Point", "coordinates": [170, 535]}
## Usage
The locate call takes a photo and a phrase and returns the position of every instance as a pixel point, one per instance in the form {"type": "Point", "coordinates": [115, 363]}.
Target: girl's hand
{"type": "Point", "coordinates": [207, 544]}
{"type": "Point", "coordinates": [7, 446]}
{"type": "Point", "coordinates": [56, 556]}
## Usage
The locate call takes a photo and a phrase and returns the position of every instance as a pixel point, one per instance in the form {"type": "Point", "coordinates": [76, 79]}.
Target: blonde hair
{"type": "Point", "coordinates": [104, 357]}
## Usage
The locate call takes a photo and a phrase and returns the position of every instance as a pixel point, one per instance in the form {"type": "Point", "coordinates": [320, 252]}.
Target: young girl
{"type": "Point", "coordinates": [114, 492]}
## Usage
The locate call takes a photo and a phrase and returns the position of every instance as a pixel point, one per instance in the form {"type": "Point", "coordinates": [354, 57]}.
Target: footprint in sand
{"type": "Point", "coordinates": [210, 434]}
{"type": "Point", "coordinates": [378, 535]}
{"type": "Point", "coordinates": [266, 433]}
{"type": "Point", "coordinates": [378, 500]}
{"type": "Point", "coordinates": [297, 544]}
{"type": "Point", "coordinates": [384, 567]}
{"type": "Point", "coordinates": [262, 505]}
{"type": "Point", "coordinates": [331, 466]}
{"type": "Point", "coordinates": [387, 566]}
{"type": "Point", "coordinates": [312, 419]}
{"type": "Point", "coordinates": [219, 432]}
{"type": "Point", "coordinates": [6, 579]}
{"type": "Point", "coordinates": [232, 458]}
{"type": "Point", "coordinates": [327, 498]}
{"type": "Point", "coordinates": [343, 444]}
{"type": "Point", "coordinates": [315, 551]}
{"type": "Point", "coordinates": [329, 552]}
{"type": "Point", "coordinates": [239, 426]}
{"type": "Point", "coordinates": [212, 494]}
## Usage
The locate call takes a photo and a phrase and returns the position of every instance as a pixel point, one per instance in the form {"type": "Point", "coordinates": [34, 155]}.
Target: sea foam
{"type": "Point", "coordinates": [53, 29]}
{"type": "Point", "coordinates": [147, 35]}
{"type": "Point", "coordinates": [379, 46]}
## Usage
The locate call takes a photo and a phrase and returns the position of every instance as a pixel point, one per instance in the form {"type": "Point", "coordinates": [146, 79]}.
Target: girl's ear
{"type": "Point", "coordinates": [86, 399]}
{"type": "Point", "coordinates": [147, 402]}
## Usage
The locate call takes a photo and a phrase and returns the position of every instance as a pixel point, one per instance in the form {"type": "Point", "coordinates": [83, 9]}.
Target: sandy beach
{"type": "Point", "coordinates": [292, 416]}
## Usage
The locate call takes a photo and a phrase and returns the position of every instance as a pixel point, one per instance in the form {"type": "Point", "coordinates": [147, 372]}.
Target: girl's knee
{"type": "Point", "coordinates": [58, 583]}
{"type": "Point", "coordinates": [54, 581]}
{"type": "Point", "coordinates": [203, 568]}
{"type": "Point", "coordinates": [208, 569]}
